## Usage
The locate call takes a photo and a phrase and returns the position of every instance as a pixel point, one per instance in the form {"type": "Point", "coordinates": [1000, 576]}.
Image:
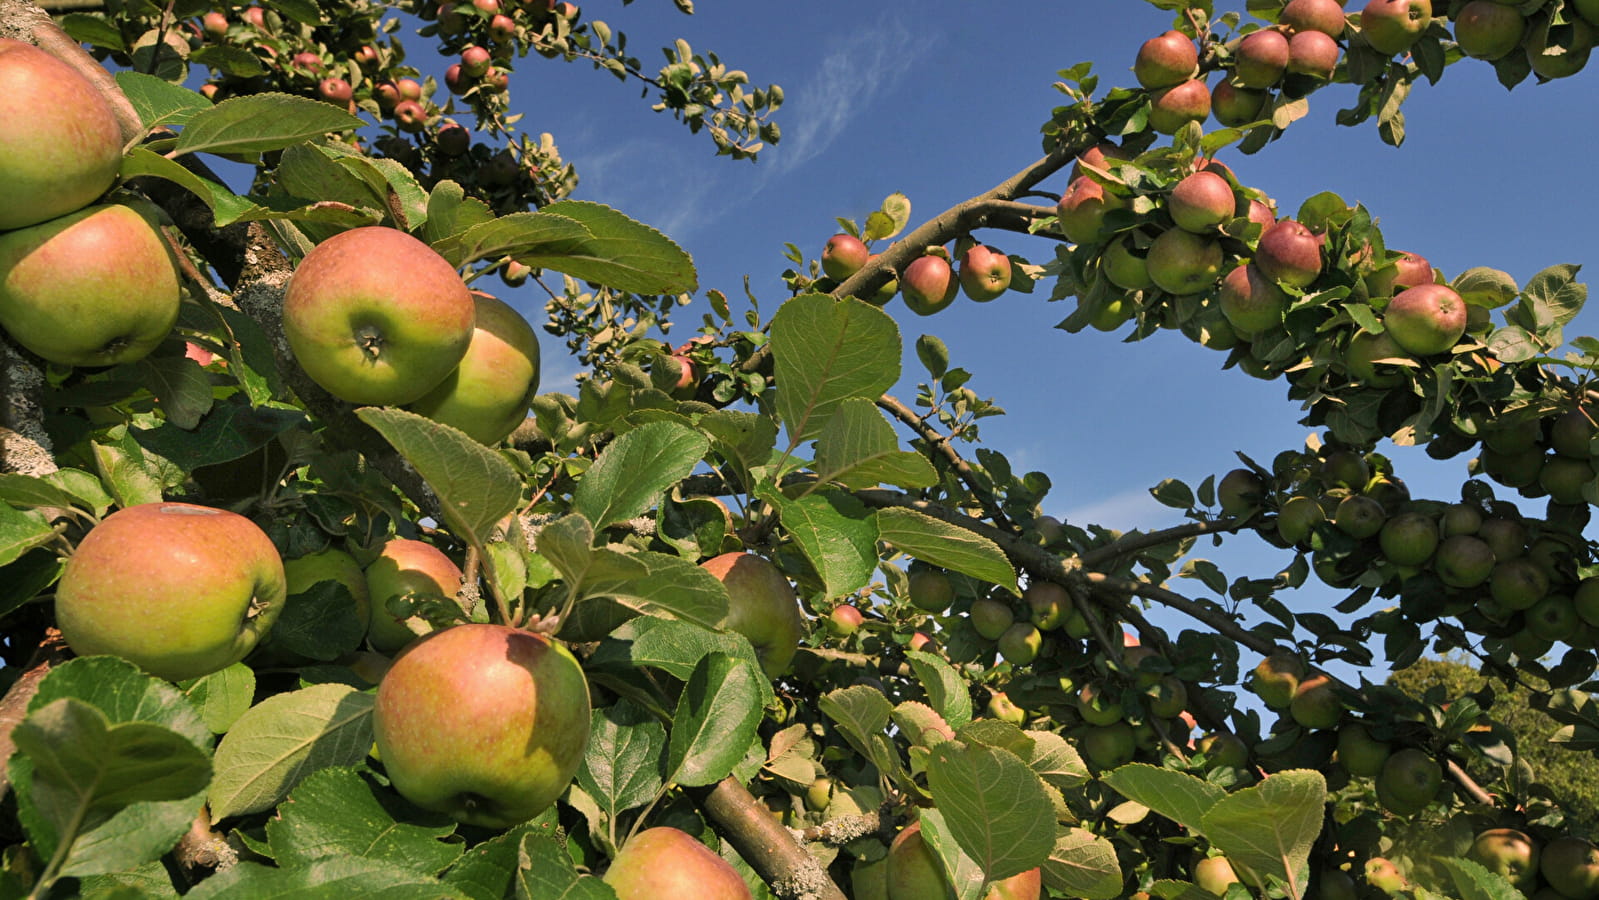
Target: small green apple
{"type": "Point", "coordinates": [930, 591]}
{"type": "Point", "coordinates": [488, 394]}
{"type": "Point", "coordinates": [991, 617]}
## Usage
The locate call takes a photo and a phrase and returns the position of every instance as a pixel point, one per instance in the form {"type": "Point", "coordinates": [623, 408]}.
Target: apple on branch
{"type": "Point", "coordinates": [488, 394]}
{"type": "Point", "coordinates": [762, 606]}
{"type": "Point", "coordinates": [664, 863]}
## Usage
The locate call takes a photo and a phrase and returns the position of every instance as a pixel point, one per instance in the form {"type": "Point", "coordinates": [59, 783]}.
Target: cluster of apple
{"type": "Point", "coordinates": [488, 31]}
{"type": "Point", "coordinates": [290, 60]}
{"type": "Point", "coordinates": [929, 283]}
{"type": "Point", "coordinates": [80, 284]}
{"type": "Point", "coordinates": [1557, 40]}
{"type": "Point", "coordinates": [1543, 455]}
{"type": "Point", "coordinates": [377, 317]}
{"type": "Point", "coordinates": [1563, 868]}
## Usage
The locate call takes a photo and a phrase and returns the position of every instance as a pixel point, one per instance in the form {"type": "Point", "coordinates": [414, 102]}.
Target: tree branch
{"type": "Point", "coordinates": [940, 443]}
{"type": "Point", "coordinates": [768, 847]}
{"type": "Point", "coordinates": [1133, 543]}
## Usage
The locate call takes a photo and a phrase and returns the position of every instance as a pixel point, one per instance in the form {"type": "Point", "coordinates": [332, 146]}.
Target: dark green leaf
{"type": "Point", "coordinates": [334, 812]}
{"type": "Point", "coordinates": [621, 765]}
{"type": "Point", "coordinates": [826, 351]}
{"type": "Point", "coordinates": [285, 738]}
{"type": "Point", "coordinates": [261, 122]}
{"type": "Point", "coordinates": [629, 476]}
{"type": "Point", "coordinates": [995, 805]}
{"type": "Point", "coordinates": [715, 719]}
{"type": "Point", "coordinates": [159, 102]}
{"type": "Point", "coordinates": [836, 532]}
{"type": "Point", "coordinates": [945, 545]}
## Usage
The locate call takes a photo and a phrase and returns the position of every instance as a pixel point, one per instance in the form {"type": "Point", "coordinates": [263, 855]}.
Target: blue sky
{"type": "Point", "coordinates": [941, 99]}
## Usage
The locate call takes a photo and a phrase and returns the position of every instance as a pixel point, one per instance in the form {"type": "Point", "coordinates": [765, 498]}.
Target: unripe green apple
{"type": "Point", "coordinates": [1488, 30]}
{"type": "Point", "coordinates": [1334, 884]}
{"type": "Point", "coordinates": [1048, 604]}
{"type": "Point", "coordinates": [405, 567]}
{"type": "Point", "coordinates": [1510, 853]}
{"type": "Point", "coordinates": [1518, 583]}
{"type": "Point", "coordinates": [1239, 491]}
{"type": "Point", "coordinates": [61, 148]}
{"type": "Point", "coordinates": [1003, 708]}
{"type": "Point", "coordinates": [985, 273]}
{"type": "Point", "coordinates": [1108, 746]}
{"type": "Point", "coordinates": [1409, 539]}
{"type": "Point", "coordinates": [376, 317]}
{"type": "Point", "coordinates": [1571, 866]}
{"type": "Point", "coordinates": [1168, 697]}
{"type": "Point", "coordinates": [484, 723]}
{"type": "Point", "coordinates": [930, 591]}
{"type": "Point", "coordinates": [1411, 777]}
{"type": "Point", "coordinates": [1345, 468]}
{"type": "Point", "coordinates": [762, 606]}
{"type": "Point", "coordinates": [843, 256]}
{"type": "Point", "coordinates": [1276, 679]}
{"type": "Point", "coordinates": [1019, 644]}
{"type": "Point", "coordinates": [1125, 269]}
{"type": "Point", "coordinates": [488, 394]}
{"type": "Point", "coordinates": [1181, 262]}
{"type": "Point", "coordinates": [1359, 753]}
{"type": "Point", "coordinates": [1099, 706]}
{"type": "Point", "coordinates": [1426, 319]}
{"type": "Point", "coordinates": [1224, 750]}
{"type": "Point", "coordinates": [1564, 478]}
{"type": "Point", "coordinates": [1359, 516]}
{"type": "Point", "coordinates": [1298, 517]}
{"type": "Point", "coordinates": [179, 590]}
{"type": "Point", "coordinates": [1463, 561]}
{"type": "Point", "coordinates": [1364, 353]}
{"type": "Point", "coordinates": [1585, 600]}
{"type": "Point", "coordinates": [96, 287]}
{"type": "Point", "coordinates": [1553, 618]}
{"type": "Point", "coordinates": [1316, 704]}
{"type": "Point", "coordinates": [304, 572]}
{"type": "Point", "coordinates": [1572, 433]}
{"type": "Point", "coordinates": [664, 863]}
{"type": "Point", "coordinates": [1213, 874]}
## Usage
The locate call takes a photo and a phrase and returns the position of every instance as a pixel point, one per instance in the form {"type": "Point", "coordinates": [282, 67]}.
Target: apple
{"type": "Point", "coordinates": [1251, 302]}
{"type": "Point", "coordinates": [1518, 583]}
{"type": "Point", "coordinates": [1235, 106]}
{"type": "Point", "coordinates": [405, 567]}
{"type": "Point", "coordinates": [1048, 604]}
{"type": "Point", "coordinates": [762, 606]}
{"type": "Point", "coordinates": [96, 287]}
{"type": "Point", "coordinates": [914, 873]}
{"type": "Point", "coordinates": [1019, 644]}
{"type": "Point", "coordinates": [1081, 211]}
{"type": "Point", "coordinates": [1359, 753]}
{"type": "Point", "coordinates": [1201, 202]}
{"type": "Point", "coordinates": [1463, 561]}
{"type": "Point", "coordinates": [930, 591]}
{"type": "Point", "coordinates": [1239, 492]}
{"type": "Point", "coordinates": [456, 81]}
{"type": "Point", "coordinates": [335, 90]}
{"type": "Point", "coordinates": [1290, 253]}
{"type": "Point", "coordinates": [1004, 709]}
{"type": "Point", "coordinates": [844, 620]}
{"type": "Point", "coordinates": [1559, 53]}
{"type": "Point", "coordinates": [502, 28]}
{"type": "Point", "coordinates": [304, 572]}
{"type": "Point", "coordinates": [1172, 108]}
{"type": "Point", "coordinates": [475, 61]}
{"type": "Point", "coordinates": [365, 54]}
{"type": "Point", "coordinates": [1261, 59]}
{"type": "Point", "coordinates": [1224, 750]}
{"type": "Point", "coordinates": [1213, 874]}
{"type": "Point", "coordinates": [1108, 746]}
{"type": "Point", "coordinates": [71, 148]}
{"type": "Point", "coordinates": [1488, 30]}
{"type": "Point", "coordinates": [1334, 884]}
{"type": "Point", "coordinates": [985, 273]}
{"type": "Point", "coordinates": [1168, 697]}
{"type": "Point", "coordinates": [1313, 54]}
{"type": "Point", "coordinates": [1393, 26]}
{"type": "Point", "coordinates": [1411, 777]}
{"type": "Point", "coordinates": [179, 590]}
{"type": "Point", "coordinates": [375, 316]}
{"type": "Point", "coordinates": [1325, 16]}
{"type": "Point", "coordinates": [1518, 469]}
{"type": "Point", "coordinates": [488, 394]}
{"type": "Point", "coordinates": [1510, 853]}
{"type": "Point", "coordinates": [308, 61]}
{"type": "Point", "coordinates": [1426, 319]}
{"type": "Point", "coordinates": [1097, 706]}
{"type": "Point", "coordinates": [1570, 865]}
{"type": "Point", "coordinates": [1125, 269]}
{"type": "Point", "coordinates": [1507, 538]}
{"type": "Point", "coordinates": [1276, 679]}
{"type": "Point", "coordinates": [410, 115]}
{"type": "Point", "coordinates": [1298, 517]}
{"type": "Point", "coordinates": [1587, 9]}
{"type": "Point", "coordinates": [1409, 538]}
{"type": "Point", "coordinates": [387, 96]}
{"type": "Point", "coordinates": [990, 617]}
{"type": "Point", "coordinates": [929, 285]}
{"type": "Point", "coordinates": [1553, 618]}
{"type": "Point", "coordinates": [1113, 315]}
{"type": "Point", "coordinates": [1181, 262]}
{"type": "Point", "coordinates": [214, 24]}
{"type": "Point", "coordinates": [1586, 600]}
{"type": "Point", "coordinates": [1363, 354]}
{"type": "Point", "coordinates": [1406, 271]}
{"type": "Point", "coordinates": [1316, 704]}
{"type": "Point", "coordinates": [1166, 60]}
{"type": "Point", "coordinates": [453, 139]}
{"type": "Point", "coordinates": [843, 255]}
{"type": "Point", "coordinates": [484, 723]}
{"type": "Point", "coordinates": [664, 863]}
{"type": "Point", "coordinates": [1572, 433]}
{"type": "Point", "coordinates": [1345, 468]}
{"type": "Point", "coordinates": [1359, 516]}
{"type": "Point", "coordinates": [1100, 156]}
{"type": "Point", "coordinates": [1383, 875]}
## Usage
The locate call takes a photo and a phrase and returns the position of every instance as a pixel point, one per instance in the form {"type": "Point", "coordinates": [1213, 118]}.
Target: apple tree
{"type": "Point", "coordinates": [307, 589]}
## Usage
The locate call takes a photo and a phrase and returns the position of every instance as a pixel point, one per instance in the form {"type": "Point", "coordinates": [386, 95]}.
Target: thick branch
{"type": "Point", "coordinates": [1133, 543]}
{"type": "Point", "coordinates": [52, 652]}
{"type": "Point", "coordinates": [768, 847]}
{"type": "Point", "coordinates": [24, 444]}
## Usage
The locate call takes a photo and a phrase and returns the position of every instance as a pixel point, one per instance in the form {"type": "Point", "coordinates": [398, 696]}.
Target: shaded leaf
{"type": "Point", "coordinates": [284, 738]}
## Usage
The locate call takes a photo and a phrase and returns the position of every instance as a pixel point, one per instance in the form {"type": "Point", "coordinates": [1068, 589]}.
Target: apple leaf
{"type": "Point", "coordinates": [670, 646]}
{"type": "Point", "coordinates": [22, 530]}
{"type": "Point", "coordinates": [996, 807]}
{"type": "Point", "coordinates": [1269, 828]}
{"type": "Point", "coordinates": [947, 546]}
{"type": "Point", "coordinates": [159, 102]}
{"type": "Point", "coordinates": [1176, 795]}
{"type": "Point", "coordinates": [835, 531]}
{"type": "Point", "coordinates": [320, 623]}
{"type": "Point", "coordinates": [284, 738]}
{"type": "Point", "coordinates": [963, 872]}
{"type": "Point", "coordinates": [222, 696]}
{"type": "Point", "coordinates": [511, 235]}
{"type": "Point", "coordinates": [332, 878]}
{"type": "Point", "coordinates": [125, 474]}
{"type": "Point", "coordinates": [486, 871]}
{"type": "Point", "coordinates": [1056, 761]}
{"type": "Point", "coordinates": [715, 719]}
{"type": "Point", "coordinates": [630, 475]}
{"type": "Point", "coordinates": [450, 213]}
{"type": "Point", "coordinates": [618, 252]}
{"type": "Point", "coordinates": [23, 491]}
{"type": "Point", "coordinates": [1484, 286]}
{"type": "Point", "coordinates": [826, 351]}
{"type": "Point", "coordinates": [334, 812]}
{"type": "Point", "coordinates": [863, 715]}
{"type": "Point", "coordinates": [621, 762]}
{"type": "Point", "coordinates": [307, 171]}
{"type": "Point", "coordinates": [1473, 881]}
{"type": "Point", "coordinates": [946, 691]}
{"type": "Point", "coordinates": [544, 871]}
{"type": "Point", "coordinates": [1083, 864]}
{"type": "Point", "coordinates": [744, 437]}
{"type": "Point", "coordinates": [259, 123]}
{"type": "Point", "coordinates": [858, 449]}
{"type": "Point", "coordinates": [86, 768]}
{"type": "Point", "coordinates": [657, 584]}
{"type": "Point", "coordinates": [476, 486]}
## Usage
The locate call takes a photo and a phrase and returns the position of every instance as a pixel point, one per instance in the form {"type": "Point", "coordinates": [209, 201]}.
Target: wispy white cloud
{"type": "Point", "coordinates": [1124, 511]}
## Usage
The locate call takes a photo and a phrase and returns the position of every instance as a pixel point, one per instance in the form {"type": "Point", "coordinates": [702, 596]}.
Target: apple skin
{"type": "Point", "coordinates": [1213, 874]}
{"type": "Point", "coordinates": [985, 273]}
{"type": "Point", "coordinates": [1325, 16]}
{"type": "Point", "coordinates": [843, 255]}
{"type": "Point", "coordinates": [929, 285]}
{"type": "Point", "coordinates": [1261, 60]}
{"type": "Point", "coordinates": [488, 394]}
{"type": "Point", "coordinates": [914, 873]}
{"type": "Point", "coordinates": [376, 317]}
{"type": "Point", "coordinates": [1181, 262]}
{"type": "Point", "coordinates": [1201, 202]}
{"type": "Point", "coordinates": [761, 606]}
{"type": "Point", "coordinates": [930, 591]}
{"type": "Point", "coordinates": [990, 618]}
{"type": "Point", "coordinates": [405, 566]}
{"type": "Point", "coordinates": [1362, 354]}
{"type": "Point", "coordinates": [1290, 253]}
{"type": "Point", "coordinates": [1276, 679]}
{"type": "Point", "coordinates": [1312, 53]}
{"type": "Point", "coordinates": [1508, 852]}
{"type": "Point", "coordinates": [1411, 776]}
{"type": "Point", "coordinates": [1359, 753]}
{"type": "Point", "coordinates": [484, 723]}
{"type": "Point", "coordinates": [1393, 26]}
{"type": "Point", "coordinates": [96, 287]}
{"type": "Point", "coordinates": [1408, 270]}
{"type": "Point", "coordinates": [71, 149]}
{"type": "Point", "coordinates": [304, 572]}
{"type": "Point", "coordinates": [844, 620]}
{"type": "Point", "coordinates": [1409, 538]}
{"type": "Point", "coordinates": [1251, 301]}
{"type": "Point", "coordinates": [1316, 704]}
{"type": "Point", "coordinates": [1239, 491]}
{"type": "Point", "coordinates": [1236, 106]}
{"type": "Point", "coordinates": [1081, 211]}
{"type": "Point", "coordinates": [1579, 44]}
{"type": "Point", "coordinates": [179, 590]}
{"type": "Point", "coordinates": [1426, 319]}
{"type": "Point", "coordinates": [1019, 644]}
{"type": "Point", "coordinates": [1128, 271]}
{"type": "Point", "coordinates": [1172, 108]}
{"type": "Point", "coordinates": [664, 863]}
{"type": "Point", "coordinates": [1488, 30]}
{"type": "Point", "coordinates": [1165, 60]}
{"type": "Point", "coordinates": [1571, 866]}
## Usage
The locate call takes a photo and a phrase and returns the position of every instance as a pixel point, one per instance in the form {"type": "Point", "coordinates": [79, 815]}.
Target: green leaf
{"type": "Point", "coordinates": [517, 234]}
{"type": "Point", "coordinates": [835, 531]}
{"type": "Point", "coordinates": [84, 488]}
{"type": "Point", "coordinates": [179, 385]}
{"type": "Point", "coordinates": [964, 874]}
{"type": "Point", "coordinates": [1173, 493]}
{"type": "Point", "coordinates": [933, 354]}
{"type": "Point", "coordinates": [862, 714]}
{"type": "Point", "coordinates": [858, 449]}
{"type": "Point", "coordinates": [1056, 761]}
{"type": "Point", "coordinates": [334, 812]}
{"type": "Point", "coordinates": [947, 546]}
{"type": "Point", "coordinates": [996, 807]}
{"type": "Point", "coordinates": [486, 871]}
{"type": "Point", "coordinates": [95, 30]}
{"type": "Point", "coordinates": [826, 351]}
{"type": "Point", "coordinates": [261, 122]}
{"type": "Point", "coordinates": [675, 648]}
{"type": "Point", "coordinates": [226, 206]}
{"type": "Point", "coordinates": [85, 768]}
{"type": "Point", "coordinates": [321, 623]}
{"type": "Point", "coordinates": [314, 173]}
{"type": "Point", "coordinates": [544, 871]}
{"type": "Point", "coordinates": [1512, 344]}
{"type": "Point", "coordinates": [1176, 795]}
{"type": "Point", "coordinates": [896, 209]}
{"type": "Point", "coordinates": [1553, 297]}
{"type": "Point", "coordinates": [621, 763]}
{"type": "Point", "coordinates": [745, 438]}
{"type": "Point", "coordinates": [124, 473]}
{"type": "Point", "coordinates": [21, 531]}
{"type": "Point", "coordinates": [333, 878]}
{"type": "Point", "coordinates": [715, 719]}
{"type": "Point", "coordinates": [159, 102]}
{"type": "Point", "coordinates": [284, 738]}
{"type": "Point", "coordinates": [945, 688]}
{"type": "Point", "coordinates": [1482, 286]}
{"type": "Point", "coordinates": [23, 491]}
{"type": "Point", "coordinates": [222, 696]}
{"type": "Point", "coordinates": [1269, 828]}
{"type": "Point", "coordinates": [476, 486]}
{"type": "Point", "coordinates": [229, 60]}
{"type": "Point", "coordinates": [629, 476]}
{"type": "Point", "coordinates": [1472, 881]}
{"type": "Point", "coordinates": [618, 252]}
{"type": "Point", "coordinates": [232, 430]}
{"type": "Point", "coordinates": [1083, 864]}
{"type": "Point", "coordinates": [450, 213]}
